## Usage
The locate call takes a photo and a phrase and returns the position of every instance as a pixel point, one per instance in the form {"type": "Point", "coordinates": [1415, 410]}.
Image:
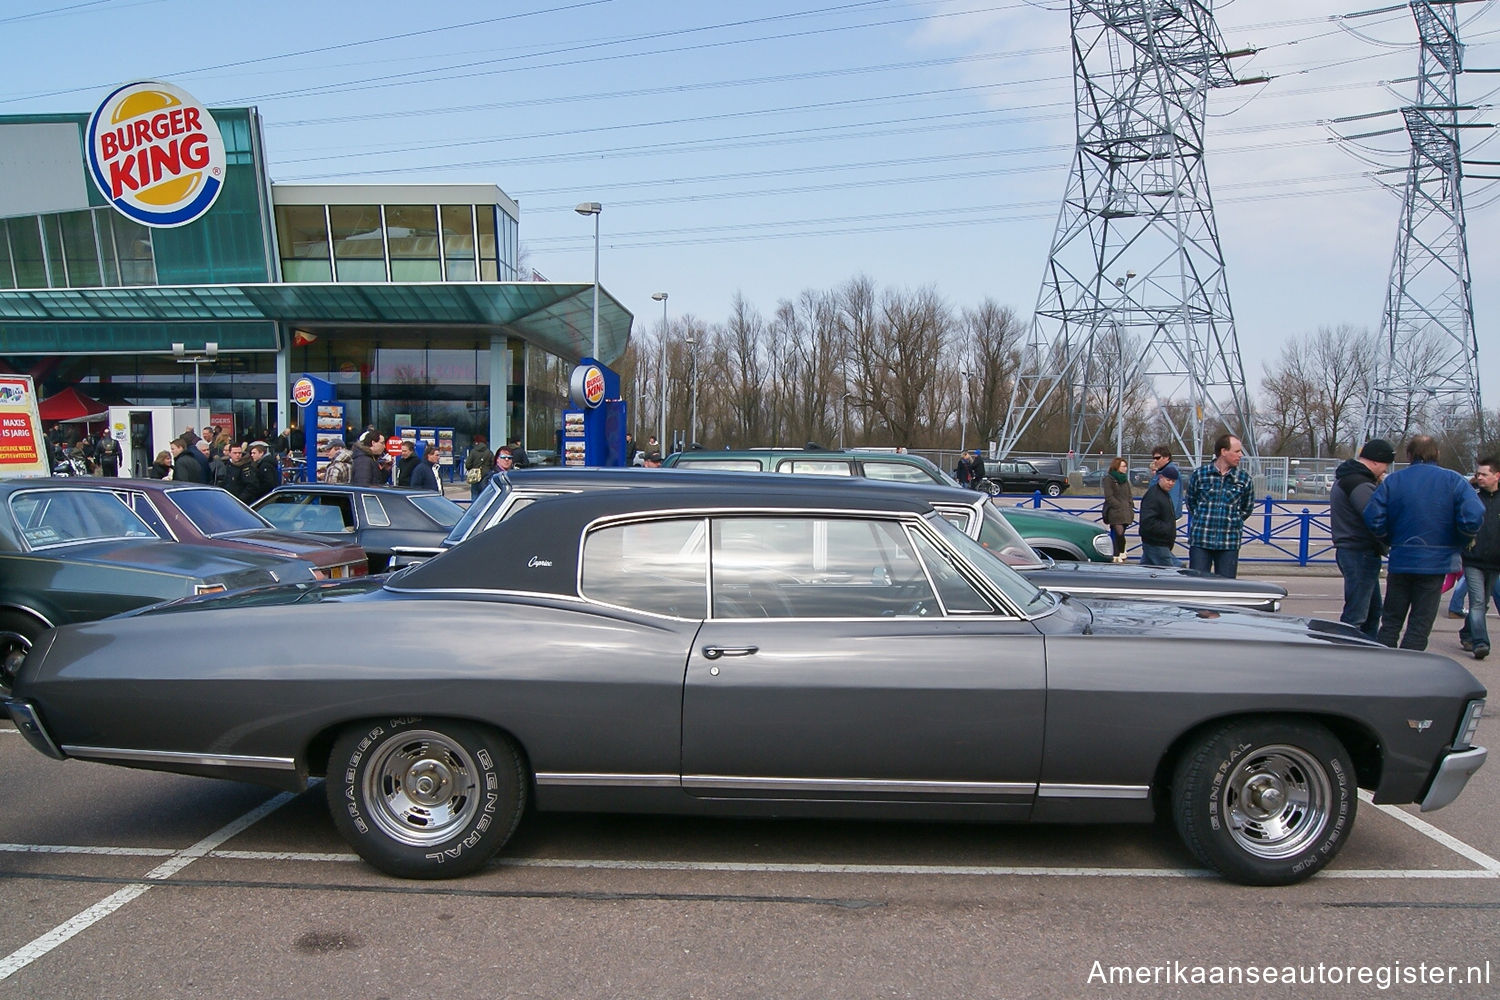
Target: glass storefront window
{"type": "Point", "coordinates": [487, 269]}
{"type": "Point", "coordinates": [79, 250]}
{"type": "Point", "coordinates": [7, 276]}
{"type": "Point", "coordinates": [26, 251]}
{"type": "Point", "coordinates": [358, 244]}
{"type": "Point", "coordinates": [52, 237]}
{"type": "Point", "coordinates": [458, 242]}
{"type": "Point", "coordinates": [133, 245]}
{"type": "Point", "coordinates": [302, 238]}
{"type": "Point", "coordinates": [411, 231]}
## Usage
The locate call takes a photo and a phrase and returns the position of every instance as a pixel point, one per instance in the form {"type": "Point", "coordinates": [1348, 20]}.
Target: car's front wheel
{"type": "Point", "coordinates": [425, 798]}
{"type": "Point", "coordinates": [1265, 802]}
{"type": "Point", "coordinates": [18, 632]}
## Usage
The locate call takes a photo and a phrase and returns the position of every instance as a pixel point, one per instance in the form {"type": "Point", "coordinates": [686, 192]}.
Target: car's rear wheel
{"type": "Point", "coordinates": [1265, 802]}
{"type": "Point", "coordinates": [425, 798]}
{"type": "Point", "coordinates": [1054, 490]}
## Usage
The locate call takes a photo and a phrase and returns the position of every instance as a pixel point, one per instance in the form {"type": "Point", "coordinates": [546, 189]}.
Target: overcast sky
{"type": "Point", "coordinates": [778, 145]}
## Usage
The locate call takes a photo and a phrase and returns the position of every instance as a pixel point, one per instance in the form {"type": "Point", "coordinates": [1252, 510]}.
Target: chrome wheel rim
{"type": "Point", "coordinates": [1276, 801]}
{"type": "Point", "coordinates": [421, 788]}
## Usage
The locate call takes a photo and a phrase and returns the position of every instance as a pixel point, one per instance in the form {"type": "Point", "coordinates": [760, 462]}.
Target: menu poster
{"type": "Point", "coordinates": [23, 451]}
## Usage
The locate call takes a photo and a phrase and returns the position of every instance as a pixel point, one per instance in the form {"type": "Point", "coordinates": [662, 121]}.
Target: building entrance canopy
{"type": "Point", "coordinates": [149, 319]}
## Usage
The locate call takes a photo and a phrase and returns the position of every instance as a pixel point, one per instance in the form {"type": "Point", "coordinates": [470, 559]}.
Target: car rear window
{"type": "Point", "coordinates": [308, 512]}
{"type": "Point", "coordinates": [215, 512]}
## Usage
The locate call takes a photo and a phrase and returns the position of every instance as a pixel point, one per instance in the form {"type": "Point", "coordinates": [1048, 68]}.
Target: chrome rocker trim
{"type": "Point", "coordinates": [179, 758]}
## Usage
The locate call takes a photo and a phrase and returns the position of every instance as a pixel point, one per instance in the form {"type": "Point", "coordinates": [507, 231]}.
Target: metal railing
{"type": "Point", "coordinates": [1298, 532]}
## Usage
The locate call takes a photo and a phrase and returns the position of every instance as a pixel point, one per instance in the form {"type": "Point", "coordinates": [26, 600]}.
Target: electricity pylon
{"type": "Point", "coordinates": [1135, 295]}
{"type": "Point", "coordinates": [1428, 375]}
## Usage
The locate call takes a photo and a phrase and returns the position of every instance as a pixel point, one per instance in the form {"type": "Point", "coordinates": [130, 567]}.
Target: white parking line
{"type": "Point", "coordinates": [24, 956]}
{"type": "Point", "coordinates": [1426, 829]}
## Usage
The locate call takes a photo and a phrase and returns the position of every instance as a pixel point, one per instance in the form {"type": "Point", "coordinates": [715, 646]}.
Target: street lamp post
{"type": "Point", "coordinates": [594, 208]}
{"type": "Point", "coordinates": [661, 415]}
{"type": "Point", "coordinates": [1120, 352]}
{"type": "Point", "coordinates": [844, 418]}
{"type": "Point", "coordinates": [963, 412]}
{"type": "Point", "coordinates": [209, 356]}
{"type": "Point", "coordinates": [692, 393]}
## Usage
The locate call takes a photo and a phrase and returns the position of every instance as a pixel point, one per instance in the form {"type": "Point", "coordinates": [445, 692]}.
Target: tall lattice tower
{"type": "Point", "coordinates": [1135, 292]}
{"type": "Point", "coordinates": [1429, 373]}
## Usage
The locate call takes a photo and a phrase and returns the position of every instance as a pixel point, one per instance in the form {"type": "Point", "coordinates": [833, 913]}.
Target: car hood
{"type": "Point", "coordinates": [205, 562]}
{"type": "Point", "coordinates": [1155, 583]}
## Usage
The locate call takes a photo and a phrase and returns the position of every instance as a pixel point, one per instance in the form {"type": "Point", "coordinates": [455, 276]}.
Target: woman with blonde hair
{"type": "Point", "coordinates": [1119, 505]}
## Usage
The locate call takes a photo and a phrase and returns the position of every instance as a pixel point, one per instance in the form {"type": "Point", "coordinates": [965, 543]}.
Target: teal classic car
{"type": "Point", "coordinates": [1064, 537]}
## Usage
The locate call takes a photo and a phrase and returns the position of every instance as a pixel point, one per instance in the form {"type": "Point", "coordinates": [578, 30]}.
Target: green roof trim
{"type": "Point", "coordinates": [554, 316]}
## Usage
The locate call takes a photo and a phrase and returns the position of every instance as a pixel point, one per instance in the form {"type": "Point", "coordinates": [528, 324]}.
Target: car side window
{"type": "Point", "coordinates": [812, 567]}
{"type": "Point", "coordinates": [659, 566]}
{"type": "Point", "coordinates": [375, 513]}
{"type": "Point", "coordinates": [720, 464]}
{"type": "Point", "coordinates": [815, 467]}
{"type": "Point", "coordinates": [957, 593]}
{"type": "Point", "coordinates": [895, 472]}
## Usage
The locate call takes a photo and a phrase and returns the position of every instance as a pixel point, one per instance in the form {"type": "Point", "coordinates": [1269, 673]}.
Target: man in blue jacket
{"type": "Point", "coordinates": [1425, 513]}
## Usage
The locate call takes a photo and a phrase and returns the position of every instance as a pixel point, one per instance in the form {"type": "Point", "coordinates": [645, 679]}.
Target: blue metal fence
{"type": "Point", "coordinates": [1281, 531]}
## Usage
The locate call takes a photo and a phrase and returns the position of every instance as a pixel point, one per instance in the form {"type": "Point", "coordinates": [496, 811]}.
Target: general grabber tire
{"type": "Point", "coordinates": [425, 798]}
{"type": "Point", "coordinates": [1265, 802]}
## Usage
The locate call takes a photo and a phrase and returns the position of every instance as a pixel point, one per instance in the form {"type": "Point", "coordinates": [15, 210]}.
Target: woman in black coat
{"type": "Point", "coordinates": [1119, 505]}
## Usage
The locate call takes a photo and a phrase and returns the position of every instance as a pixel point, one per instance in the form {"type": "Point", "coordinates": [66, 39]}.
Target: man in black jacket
{"type": "Point", "coordinates": [1355, 547]}
{"type": "Point", "coordinates": [1482, 558]}
{"type": "Point", "coordinates": [1159, 519]}
{"type": "Point", "coordinates": [264, 473]}
{"type": "Point", "coordinates": [185, 468]}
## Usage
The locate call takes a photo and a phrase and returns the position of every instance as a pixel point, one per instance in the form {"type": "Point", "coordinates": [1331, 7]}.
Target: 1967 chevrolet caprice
{"type": "Point", "coordinates": [787, 650]}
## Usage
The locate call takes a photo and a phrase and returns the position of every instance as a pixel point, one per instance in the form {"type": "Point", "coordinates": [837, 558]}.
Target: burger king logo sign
{"type": "Point", "coordinates": [302, 392]}
{"type": "Point", "coordinates": [586, 386]}
{"type": "Point", "coordinates": [156, 154]}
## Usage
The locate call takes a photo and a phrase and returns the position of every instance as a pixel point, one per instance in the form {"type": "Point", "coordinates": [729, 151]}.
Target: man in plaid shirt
{"type": "Point", "coordinates": [1219, 498]}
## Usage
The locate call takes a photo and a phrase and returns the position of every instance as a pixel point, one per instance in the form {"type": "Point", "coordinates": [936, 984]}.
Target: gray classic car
{"type": "Point", "coordinates": [795, 651]}
{"type": "Point", "coordinates": [979, 517]}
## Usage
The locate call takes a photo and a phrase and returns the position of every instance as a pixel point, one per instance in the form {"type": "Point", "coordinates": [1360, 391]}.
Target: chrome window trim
{"type": "Point", "coordinates": [177, 757]}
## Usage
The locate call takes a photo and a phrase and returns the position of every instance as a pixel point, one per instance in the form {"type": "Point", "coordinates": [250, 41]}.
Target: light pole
{"type": "Point", "coordinates": [661, 415]}
{"type": "Point", "coordinates": [844, 419]}
{"type": "Point", "coordinates": [594, 208]}
{"type": "Point", "coordinates": [692, 393]}
{"type": "Point", "coordinates": [1114, 319]}
{"type": "Point", "coordinates": [209, 356]}
{"type": "Point", "coordinates": [963, 412]}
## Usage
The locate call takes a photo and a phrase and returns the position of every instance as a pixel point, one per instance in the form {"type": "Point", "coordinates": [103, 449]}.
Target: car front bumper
{"type": "Point", "coordinates": [23, 714]}
{"type": "Point", "coordinates": [1452, 775]}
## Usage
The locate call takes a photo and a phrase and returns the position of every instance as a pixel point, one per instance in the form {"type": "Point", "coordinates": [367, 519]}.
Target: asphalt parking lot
{"type": "Point", "coordinates": [123, 883]}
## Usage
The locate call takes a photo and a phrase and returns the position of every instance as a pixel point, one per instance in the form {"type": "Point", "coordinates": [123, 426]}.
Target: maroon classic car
{"type": "Point", "coordinates": [208, 515]}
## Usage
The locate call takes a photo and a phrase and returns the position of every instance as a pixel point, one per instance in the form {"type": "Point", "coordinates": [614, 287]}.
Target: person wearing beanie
{"type": "Point", "coordinates": [1426, 514]}
{"type": "Point", "coordinates": [1159, 519]}
{"type": "Point", "coordinates": [1356, 549]}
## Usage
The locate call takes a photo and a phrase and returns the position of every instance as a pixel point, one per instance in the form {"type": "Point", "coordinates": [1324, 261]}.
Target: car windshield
{"type": "Point", "coordinates": [215, 512]}
{"type": "Point", "coordinates": [1027, 597]}
{"type": "Point", "coordinates": [997, 535]}
{"type": "Point", "coordinates": [440, 509]}
{"type": "Point", "coordinates": [49, 518]}
{"type": "Point", "coordinates": [465, 524]}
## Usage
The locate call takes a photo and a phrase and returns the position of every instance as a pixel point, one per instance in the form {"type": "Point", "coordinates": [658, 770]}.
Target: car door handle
{"type": "Point", "coordinates": [714, 652]}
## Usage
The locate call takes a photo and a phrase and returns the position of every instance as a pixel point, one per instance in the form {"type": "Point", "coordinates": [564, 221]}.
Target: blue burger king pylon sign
{"type": "Point", "coordinates": [156, 154]}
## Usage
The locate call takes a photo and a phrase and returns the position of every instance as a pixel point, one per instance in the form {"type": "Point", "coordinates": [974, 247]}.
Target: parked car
{"type": "Point", "coordinates": [390, 524]}
{"type": "Point", "coordinates": [974, 513]}
{"type": "Point", "coordinates": [76, 555]}
{"type": "Point", "coordinates": [208, 515]}
{"type": "Point", "coordinates": [1060, 535]}
{"type": "Point", "coordinates": [796, 652]}
{"type": "Point", "coordinates": [1091, 476]}
{"type": "Point", "coordinates": [884, 465]}
{"type": "Point", "coordinates": [1024, 477]}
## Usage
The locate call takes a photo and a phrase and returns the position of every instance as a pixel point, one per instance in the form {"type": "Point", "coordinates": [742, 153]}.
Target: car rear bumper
{"type": "Point", "coordinates": [30, 725]}
{"type": "Point", "coordinates": [1452, 775]}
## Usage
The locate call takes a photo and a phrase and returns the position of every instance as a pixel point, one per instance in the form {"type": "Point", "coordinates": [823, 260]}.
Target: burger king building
{"type": "Point", "coordinates": [115, 277]}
